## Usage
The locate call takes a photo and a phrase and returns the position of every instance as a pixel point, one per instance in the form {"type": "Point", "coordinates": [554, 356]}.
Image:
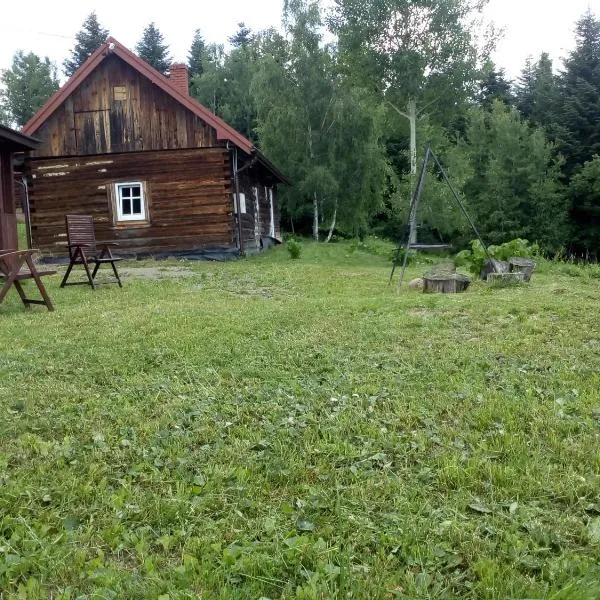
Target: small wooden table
{"type": "Point", "coordinates": [12, 273]}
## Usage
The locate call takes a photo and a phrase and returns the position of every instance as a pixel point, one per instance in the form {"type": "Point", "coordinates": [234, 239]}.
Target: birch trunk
{"type": "Point", "coordinates": [332, 228]}
{"type": "Point", "coordinates": [316, 217]}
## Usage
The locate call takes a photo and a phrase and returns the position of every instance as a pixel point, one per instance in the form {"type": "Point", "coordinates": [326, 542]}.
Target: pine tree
{"type": "Point", "coordinates": [243, 37]}
{"type": "Point", "coordinates": [153, 50]}
{"type": "Point", "coordinates": [197, 56]}
{"type": "Point", "coordinates": [91, 36]}
{"type": "Point", "coordinates": [27, 85]}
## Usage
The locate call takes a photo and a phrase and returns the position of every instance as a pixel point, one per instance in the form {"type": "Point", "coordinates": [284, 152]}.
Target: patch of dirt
{"type": "Point", "coordinates": [155, 273]}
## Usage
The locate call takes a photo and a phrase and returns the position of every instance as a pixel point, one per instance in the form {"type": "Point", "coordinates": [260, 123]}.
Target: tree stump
{"type": "Point", "coordinates": [505, 279]}
{"type": "Point", "coordinates": [522, 265]}
{"type": "Point", "coordinates": [494, 266]}
{"type": "Point", "coordinates": [446, 283]}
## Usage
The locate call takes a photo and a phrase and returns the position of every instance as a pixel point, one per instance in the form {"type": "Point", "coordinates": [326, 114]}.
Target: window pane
{"type": "Point", "coordinates": [136, 190]}
{"type": "Point", "coordinates": [137, 206]}
{"type": "Point", "coordinates": [126, 206]}
{"type": "Point", "coordinates": [125, 192]}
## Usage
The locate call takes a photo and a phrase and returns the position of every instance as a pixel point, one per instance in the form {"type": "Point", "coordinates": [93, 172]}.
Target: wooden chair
{"type": "Point", "coordinates": [12, 273]}
{"type": "Point", "coordinates": [83, 250]}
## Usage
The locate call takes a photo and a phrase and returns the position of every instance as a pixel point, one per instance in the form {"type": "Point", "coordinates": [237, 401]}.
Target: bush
{"type": "Point", "coordinates": [476, 257]}
{"type": "Point", "coordinates": [294, 248]}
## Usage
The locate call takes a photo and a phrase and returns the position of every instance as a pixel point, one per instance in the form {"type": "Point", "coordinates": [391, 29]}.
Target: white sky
{"type": "Point", "coordinates": [531, 26]}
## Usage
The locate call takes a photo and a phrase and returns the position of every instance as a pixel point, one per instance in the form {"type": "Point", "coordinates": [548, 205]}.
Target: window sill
{"type": "Point", "coordinates": [132, 224]}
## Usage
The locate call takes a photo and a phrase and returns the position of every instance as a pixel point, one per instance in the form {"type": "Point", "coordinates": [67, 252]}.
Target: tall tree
{"type": "Point", "coordinates": [153, 49]}
{"type": "Point", "coordinates": [89, 38]}
{"type": "Point", "coordinates": [324, 131]}
{"type": "Point", "coordinates": [29, 82]}
{"type": "Point", "coordinates": [515, 189]}
{"type": "Point", "coordinates": [536, 93]}
{"type": "Point", "coordinates": [242, 37]}
{"type": "Point", "coordinates": [579, 134]}
{"type": "Point", "coordinates": [494, 86]}
{"type": "Point", "coordinates": [419, 54]}
{"type": "Point", "coordinates": [585, 209]}
{"type": "Point", "coordinates": [197, 55]}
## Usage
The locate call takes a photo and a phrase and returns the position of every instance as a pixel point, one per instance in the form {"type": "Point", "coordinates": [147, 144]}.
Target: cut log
{"type": "Point", "coordinates": [494, 266]}
{"type": "Point", "coordinates": [505, 279]}
{"type": "Point", "coordinates": [417, 284]}
{"type": "Point", "coordinates": [446, 283]}
{"type": "Point", "coordinates": [522, 265]}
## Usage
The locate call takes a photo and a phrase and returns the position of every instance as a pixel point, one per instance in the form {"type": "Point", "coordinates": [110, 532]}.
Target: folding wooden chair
{"type": "Point", "coordinates": [81, 239]}
{"type": "Point", "coordinates": [12, 273]}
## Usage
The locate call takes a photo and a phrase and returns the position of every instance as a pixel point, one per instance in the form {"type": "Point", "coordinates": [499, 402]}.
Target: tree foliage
{"type": "Point", "coordinates": [197, 56]}
{"type": "Point", "coordinates": [29, 82]}
{"type": "Point", "coordinates": [515, 190]}
{"type": "Point", "coordinates": [89, 38]}
{"type": "Point", "coordinates": [153, 49]}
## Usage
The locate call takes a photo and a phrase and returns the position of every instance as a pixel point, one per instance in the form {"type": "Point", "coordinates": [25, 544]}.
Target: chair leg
{"type": "Point", "coordinates": [39, 284]}
{"type": "Point", "coordinates": [21, 293]}
{"type": "Point", "coordinates": [11, 279]}
{"type": "Point", "coordinates": [87, 271]}
{"type": "Point", "coordinates": [114, 268]}
{"type": "Point", "coordinates": [70, 268]}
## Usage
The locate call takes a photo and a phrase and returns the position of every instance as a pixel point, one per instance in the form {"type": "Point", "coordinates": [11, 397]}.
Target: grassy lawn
{"type": "Point", "coordinates": [272, 428]}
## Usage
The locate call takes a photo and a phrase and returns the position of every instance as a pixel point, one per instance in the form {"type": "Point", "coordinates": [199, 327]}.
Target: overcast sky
{"type": "Point", "coordinates": [47, 28]}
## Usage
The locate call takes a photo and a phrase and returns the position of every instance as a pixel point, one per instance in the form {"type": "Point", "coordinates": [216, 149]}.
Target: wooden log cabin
{"type": "Point", "coordinates": [160, 173]}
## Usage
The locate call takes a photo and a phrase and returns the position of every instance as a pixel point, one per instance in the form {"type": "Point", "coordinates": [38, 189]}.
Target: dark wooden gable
{"type": "Point", "coordinates": [117, 109]}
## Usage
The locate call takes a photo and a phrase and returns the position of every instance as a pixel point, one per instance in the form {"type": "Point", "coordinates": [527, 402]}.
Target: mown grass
{"type": "Point", "coordinates": [272, 428]}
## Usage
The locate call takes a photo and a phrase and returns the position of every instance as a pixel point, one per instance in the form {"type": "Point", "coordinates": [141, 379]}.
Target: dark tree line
{"type": "Point", "coordinates": [345, 119]}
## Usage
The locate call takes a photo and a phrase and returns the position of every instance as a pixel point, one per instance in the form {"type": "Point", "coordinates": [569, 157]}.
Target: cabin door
{"type": "Point", "coordinates": [92, 131]}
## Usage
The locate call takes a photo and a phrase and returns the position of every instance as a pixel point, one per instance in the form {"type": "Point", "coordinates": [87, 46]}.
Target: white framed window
{"type": "Point", "coordinates": [242, 203]}
{"type": "Point", "coordinates": [131, 204]}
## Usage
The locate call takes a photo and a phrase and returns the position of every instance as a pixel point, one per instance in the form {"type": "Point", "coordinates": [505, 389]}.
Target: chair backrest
{"type": "Point", "coordinates": [80, 230]}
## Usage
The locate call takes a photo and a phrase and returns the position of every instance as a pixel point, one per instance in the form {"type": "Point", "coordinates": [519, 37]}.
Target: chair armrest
{"type": "Point", "coordinates": [79, 245]}
{"type": "Point", "coordinates": [4, 253]}
{"type": "Point", "coordinates": [108, 244]}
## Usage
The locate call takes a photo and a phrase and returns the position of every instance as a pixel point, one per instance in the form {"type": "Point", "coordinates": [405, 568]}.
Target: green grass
{"type": "Point", "coordinates": [273, 428]}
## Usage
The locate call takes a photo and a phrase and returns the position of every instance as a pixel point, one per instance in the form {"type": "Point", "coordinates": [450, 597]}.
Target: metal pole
{"type": "Point", "coordinates": [464, 210]}
{"type": "Point", "coordinates": [414, 207]}
{"type": "Point", "coordinates": [413, 211]}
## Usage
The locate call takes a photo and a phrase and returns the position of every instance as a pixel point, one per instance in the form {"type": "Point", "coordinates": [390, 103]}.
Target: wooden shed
{"type": "Point", "coordinates": [11, 142]}
{"type": "Point", "coordinates": [160, 173]}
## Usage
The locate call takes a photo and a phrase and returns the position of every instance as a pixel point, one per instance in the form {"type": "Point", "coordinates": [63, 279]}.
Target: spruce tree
{"type": "Point", "coordinates": [580, 91]}
{"type": "Point", "coordinates": [243, 37]}
{"type": "Point", "coordinates": [197, 56]}
{"type": "Point", "coordinates": [536, 93]}
{"type": "Point", "coordinates": [153, 49]}
{"type": "Point", "coordinates": [91, 36]}
{"type": "Point", "coordinates": [27, 85]}
{"type": "Point", "coordinates": [494, 86]}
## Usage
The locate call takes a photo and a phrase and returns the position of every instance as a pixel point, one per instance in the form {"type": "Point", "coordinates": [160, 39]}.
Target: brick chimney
{"type": "Point", "coordinates": [178, 74]}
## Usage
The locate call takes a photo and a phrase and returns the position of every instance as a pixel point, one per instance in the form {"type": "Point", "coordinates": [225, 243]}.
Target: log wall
{"type": "Point", "coordinates": [188, 199]}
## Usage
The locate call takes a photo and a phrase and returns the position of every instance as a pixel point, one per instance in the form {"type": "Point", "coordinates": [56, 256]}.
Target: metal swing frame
{"type": "Point", "coordinates": [414, 205]}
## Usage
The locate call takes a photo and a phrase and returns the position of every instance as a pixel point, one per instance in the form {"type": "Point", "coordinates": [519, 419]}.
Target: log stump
{"type": "Point", "coordinates": [446, 283]}
{"type": "Point", "coordinates": [523, 265]}
{"type": "Point", "coordinates": [505, 279]}
{"type": "Point", "coordinates": [494, 266]}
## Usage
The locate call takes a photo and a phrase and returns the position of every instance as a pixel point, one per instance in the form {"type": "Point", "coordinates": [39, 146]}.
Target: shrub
{"type": "Point", "coordinates": [476, 257]}
{"type": "Point", "coordinates": [294, 248]}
